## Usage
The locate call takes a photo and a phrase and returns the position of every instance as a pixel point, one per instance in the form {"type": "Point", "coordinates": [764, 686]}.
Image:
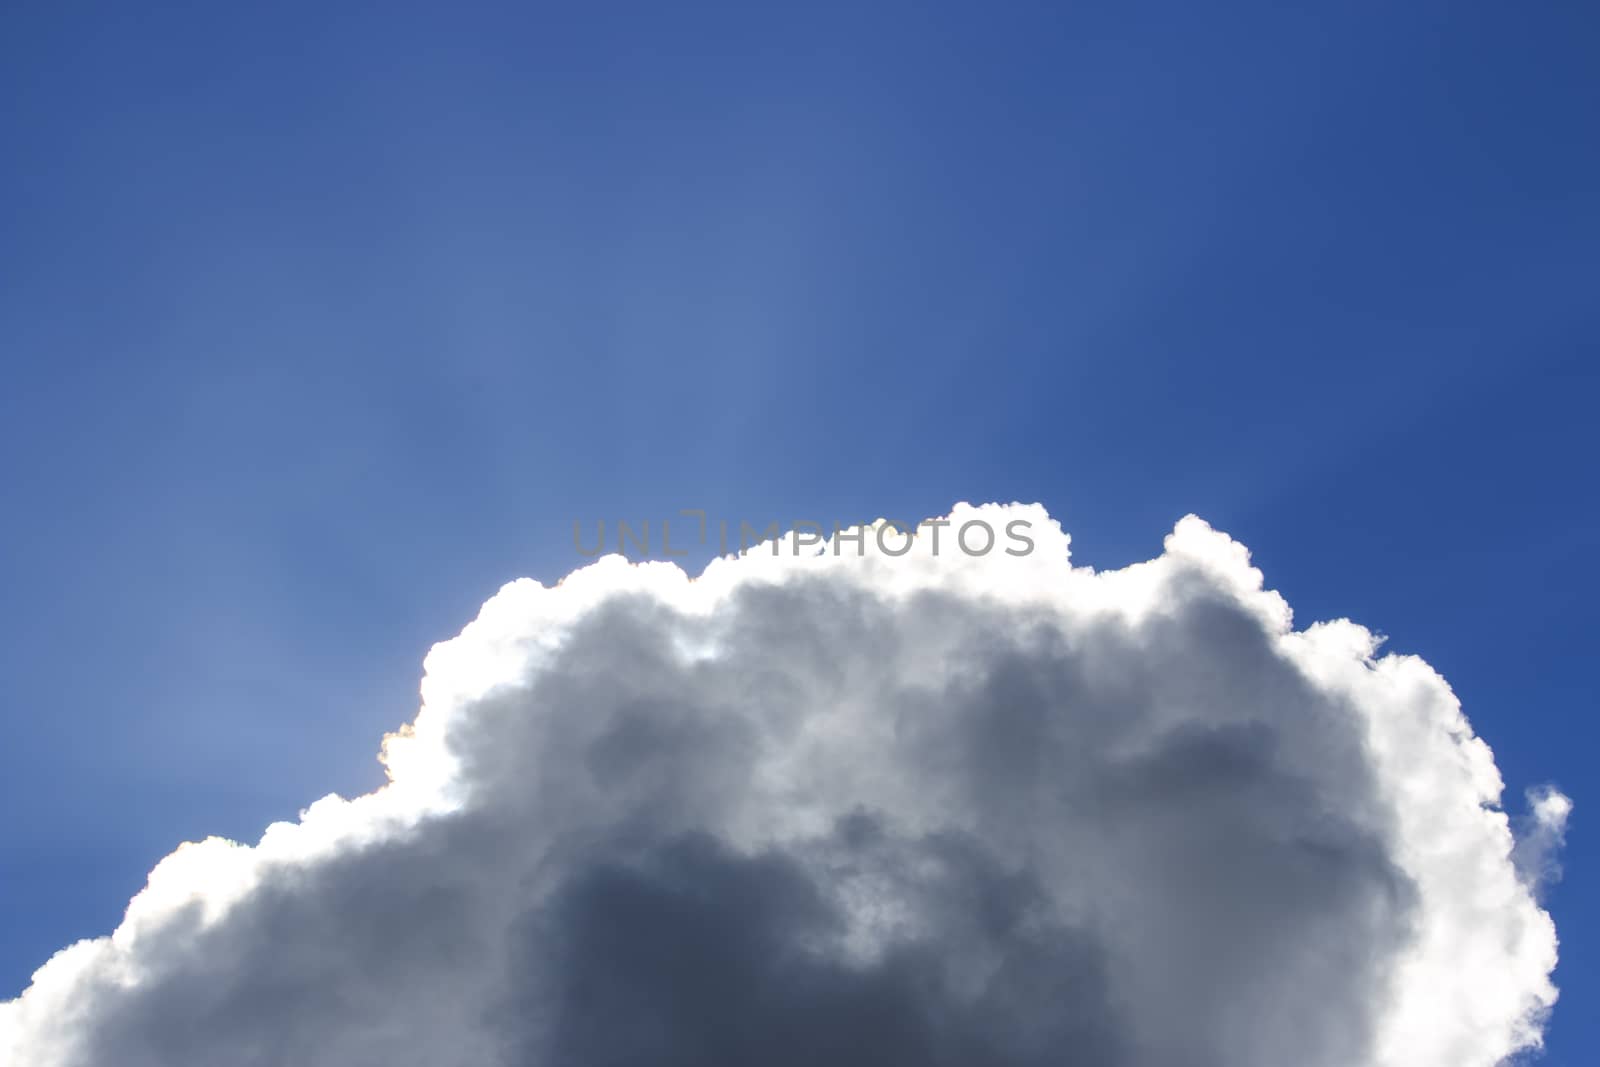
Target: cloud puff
{"type": "Point", "coordinates": [858, 809]}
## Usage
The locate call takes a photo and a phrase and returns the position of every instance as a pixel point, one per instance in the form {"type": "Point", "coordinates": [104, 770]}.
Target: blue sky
{"type": "Point", "coordinates": [317, 327]}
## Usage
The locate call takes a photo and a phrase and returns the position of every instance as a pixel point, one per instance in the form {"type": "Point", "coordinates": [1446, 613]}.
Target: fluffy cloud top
{"type": "Point", "coordinates": [929, 809]}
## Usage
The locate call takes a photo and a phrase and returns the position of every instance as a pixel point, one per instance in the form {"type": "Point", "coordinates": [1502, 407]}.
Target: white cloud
{"type": "Point", "coordinates": [1541, 833]}
{"type": "Point", "coordinates": [940, 809]}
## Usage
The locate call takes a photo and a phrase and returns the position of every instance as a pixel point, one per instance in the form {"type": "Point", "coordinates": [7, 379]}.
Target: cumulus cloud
{"type": "Point", "coordinates": [935, 809]}
{"type": "Point", "coordinates": [1542, 832]}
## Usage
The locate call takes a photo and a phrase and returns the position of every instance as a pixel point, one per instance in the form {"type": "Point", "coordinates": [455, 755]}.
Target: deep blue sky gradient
{"type": "Point", "coordinates": [320, 322]}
